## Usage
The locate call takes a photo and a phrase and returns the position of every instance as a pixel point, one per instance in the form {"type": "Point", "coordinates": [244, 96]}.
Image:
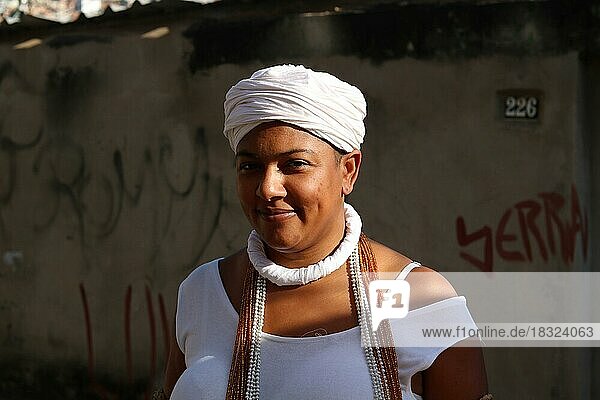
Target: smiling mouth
{"type": "Point", "coordinates": [275, 214]}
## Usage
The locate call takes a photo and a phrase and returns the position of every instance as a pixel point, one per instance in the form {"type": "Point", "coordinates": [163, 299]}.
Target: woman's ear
{"type": "Point", "coordinates": [350, 165]}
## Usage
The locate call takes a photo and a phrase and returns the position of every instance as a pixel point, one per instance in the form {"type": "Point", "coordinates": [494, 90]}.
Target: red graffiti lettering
{"type": "Point", "coordinates": [541, 230]}
{"type": "Point", "coordinates": [464, 239]}
{"type": "Point", "coordinates": [152, 327]}
{"type": "Point", "coordinates": [553, 203]}
{"type": "Point", "coordinates": [579, 224]}
{"type": "Point", "coordinates": [502, 236]}
{"type": "Point", "coordinates": [528, 211]}
{"type": "Point", "coordinates": [100, 390]}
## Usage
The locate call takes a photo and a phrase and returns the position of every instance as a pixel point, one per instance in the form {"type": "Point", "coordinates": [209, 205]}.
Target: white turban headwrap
{"type": "Point", "coordinates": [318, 102]}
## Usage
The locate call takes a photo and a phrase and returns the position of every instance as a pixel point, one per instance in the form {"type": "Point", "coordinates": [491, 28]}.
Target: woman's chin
{"type": "Point", "coordinates": [280, 243]}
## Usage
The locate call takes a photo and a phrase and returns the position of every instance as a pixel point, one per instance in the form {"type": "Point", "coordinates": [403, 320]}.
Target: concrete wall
{"type": "Point", "coordinates": [591, 92]}
{"type": "Point", "coordinates": [115, 179]}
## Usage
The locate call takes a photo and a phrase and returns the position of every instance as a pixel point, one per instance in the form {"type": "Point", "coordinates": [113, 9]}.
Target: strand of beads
{"type": "Point", "coordinates": [386, 353]}
{"type": "Point", "coordinates": [382, 342]}
{"type": "Point", "coordinates": [253, 387]}
{"type": "Point", "coordinates": [244, 382]}
{"type": "Point", "coordinates": [236, 386]}
{"type": "Point", "coordinates": [365, 334]}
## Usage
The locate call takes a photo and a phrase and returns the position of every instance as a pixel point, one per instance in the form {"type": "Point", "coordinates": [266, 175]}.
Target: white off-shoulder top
{"type": "Point", "coordinates": [330, 366]}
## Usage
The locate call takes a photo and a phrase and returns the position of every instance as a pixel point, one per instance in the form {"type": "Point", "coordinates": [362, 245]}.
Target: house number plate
{"type": "Point", "coordinates": [520, 105]}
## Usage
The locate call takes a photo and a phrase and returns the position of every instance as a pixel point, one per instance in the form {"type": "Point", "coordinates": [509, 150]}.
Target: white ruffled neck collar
{"type": "Point", "coordinates": [283, 276]}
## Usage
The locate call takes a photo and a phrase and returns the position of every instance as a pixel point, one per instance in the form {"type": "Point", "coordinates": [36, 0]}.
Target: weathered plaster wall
{"type": "Point", "coordinates": [115, 180]}
{"type": "Point", "coordinates": [591, 89]}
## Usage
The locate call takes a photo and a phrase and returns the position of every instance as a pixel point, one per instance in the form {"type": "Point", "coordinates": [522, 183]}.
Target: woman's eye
{"type": "Point", "coordinates": [247, 166]}
{"type": "Point", "coordinates": [297, 163]}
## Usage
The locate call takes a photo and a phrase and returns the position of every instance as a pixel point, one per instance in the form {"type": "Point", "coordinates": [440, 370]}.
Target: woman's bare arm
{"type": "Point", "coordinates": [458, 373]}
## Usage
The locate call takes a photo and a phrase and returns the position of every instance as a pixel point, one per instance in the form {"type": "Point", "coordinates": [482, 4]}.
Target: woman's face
{"type": "Point", "coordinates": [291, 186]}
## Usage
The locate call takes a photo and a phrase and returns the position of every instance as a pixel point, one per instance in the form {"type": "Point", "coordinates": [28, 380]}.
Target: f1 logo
{"type": "Point", "coordinates": [388, 299]}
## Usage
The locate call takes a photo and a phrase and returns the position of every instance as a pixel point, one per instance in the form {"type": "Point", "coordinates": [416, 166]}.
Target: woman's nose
{"type": "Point", "coordinates": [271, 185]}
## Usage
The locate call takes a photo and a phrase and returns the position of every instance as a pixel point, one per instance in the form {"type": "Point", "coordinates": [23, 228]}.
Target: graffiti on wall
{"type": "Point", "coordinates": [531, 229]}
{"type": "Point", "coordinates": [97, 178]}
{"type": "Point", "coordinates": [152, 330]}
{"type": "Point", "coordinates": [81, 194]}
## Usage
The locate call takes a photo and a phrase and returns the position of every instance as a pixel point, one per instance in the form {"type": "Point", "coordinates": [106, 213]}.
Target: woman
{"type": "Point", "coordinates": [286, 316]}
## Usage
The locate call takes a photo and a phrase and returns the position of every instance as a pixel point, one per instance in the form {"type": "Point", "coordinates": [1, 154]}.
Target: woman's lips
{"type": "Point", "coordinates": [275, 215]}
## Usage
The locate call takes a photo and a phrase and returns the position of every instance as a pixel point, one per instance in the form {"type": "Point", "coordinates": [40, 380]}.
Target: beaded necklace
{"type": "Point", "coordinates": [380, 354]}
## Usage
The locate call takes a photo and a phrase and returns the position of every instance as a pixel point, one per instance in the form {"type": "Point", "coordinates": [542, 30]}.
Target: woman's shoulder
{"type": "Point", "coordinates": [201, 269]}
{"type": "Point", "coordinates": [427, 286]}
{"type": "Point", "coordinates": [227, 264]}
{"type": "Point", "coordinates": [225, 271]}
{"type": "Point", "coordinates": [200, 273]}
{"type": "Point", "coordinates": [231, 271]}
